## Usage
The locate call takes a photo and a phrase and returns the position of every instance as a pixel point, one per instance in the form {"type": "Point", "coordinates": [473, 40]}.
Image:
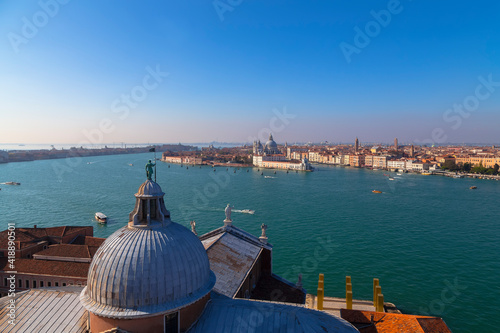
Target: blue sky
{"type": "Point", "coordinates": [67, 68]}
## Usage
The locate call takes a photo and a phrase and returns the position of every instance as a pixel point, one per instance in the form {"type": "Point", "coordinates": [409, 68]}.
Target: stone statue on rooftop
{"type": "Point", "coordinates": [149, 169]}
{"type": "Point", "coordinates": [193, 227]}
{"type": "Point", "coordinates": [264, 228]}
{"type": "Point", "coordinates": [228, 212]}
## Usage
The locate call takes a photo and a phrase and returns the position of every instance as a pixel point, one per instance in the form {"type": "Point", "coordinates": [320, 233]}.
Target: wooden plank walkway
{"type": "Point", "coordinates": [332, 305]}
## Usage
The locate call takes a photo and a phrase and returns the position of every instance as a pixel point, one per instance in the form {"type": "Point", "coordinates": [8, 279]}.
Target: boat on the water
{"type": "Point", "coordinates": [376, 191]}
{"type": "Point", "coordinates": [12, 183]}
{"type": "Point", "coordinates": [390, 178]}
{"type": "Point", "coordinates": [473, 187]}
{"type": "Point", "coordinates": [426, 173]}
{"type": "Point", "coordinates": [248, 211]}
{"type": "Point", "coordinates": [101, 218]}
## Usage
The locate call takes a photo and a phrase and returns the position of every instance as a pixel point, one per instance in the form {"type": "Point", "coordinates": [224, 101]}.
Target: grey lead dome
{"type": "Point", "coordinates": [148, 267]}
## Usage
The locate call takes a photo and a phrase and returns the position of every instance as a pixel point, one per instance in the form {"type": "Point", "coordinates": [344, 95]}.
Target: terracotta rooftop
{"type": "Point", "coordinates": [25, 236]}
{"type": "Point", "coordinates": [88, 240]}
{"type": "Point", "coordinates": [47, 267]}
{"type": "Point", "coordinates": [393, 322]}
{"type": "Point", "coordinates": [68, 251]}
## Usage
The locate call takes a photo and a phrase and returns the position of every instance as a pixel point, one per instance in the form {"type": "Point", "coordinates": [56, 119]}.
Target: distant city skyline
{"type": "Point", "coordinates": [77, 72]}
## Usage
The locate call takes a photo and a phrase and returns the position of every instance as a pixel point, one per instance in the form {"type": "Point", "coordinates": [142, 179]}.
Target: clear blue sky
{"type": "Point", "coordinates": [65, 69]}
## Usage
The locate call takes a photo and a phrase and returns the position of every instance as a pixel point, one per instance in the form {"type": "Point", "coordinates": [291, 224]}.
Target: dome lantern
{"type": "Point", "coordinates": [149, 206]}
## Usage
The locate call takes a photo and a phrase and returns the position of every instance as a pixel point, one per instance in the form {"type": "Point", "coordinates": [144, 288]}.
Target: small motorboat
{"type": "Point", "coordinates": [130, 164]}
{"type": "Point", "coordinates": [248, 211]}
{"type": "Point", "coordinates": [390, 178]}
{"type": "Point", "coordinates": [12, 183]}
{"type": "Point", "coordinates": [376, 191]}
{"type": "Point", "coordinates": [473, 187]}
{"type": "Point", "coordinates": [101, 218]}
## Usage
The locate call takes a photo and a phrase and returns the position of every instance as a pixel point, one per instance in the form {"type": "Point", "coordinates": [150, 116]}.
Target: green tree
{"type": "Point", "coordinates": [450, 165]}
{"type": "Point", "coordinates": [479, 169]}
{"type": "Point", "coordinates": [495, 168]}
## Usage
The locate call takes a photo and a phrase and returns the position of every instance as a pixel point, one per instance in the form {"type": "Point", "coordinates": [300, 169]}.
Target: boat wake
{"type": "Point", "coordinates": [270, 177]}
{"type": "Point", "coordinates": [244, 211]}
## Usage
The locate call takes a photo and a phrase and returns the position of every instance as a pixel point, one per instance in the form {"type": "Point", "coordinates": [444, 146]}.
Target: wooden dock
{"type": "Point", "coordinates": [332, 305]}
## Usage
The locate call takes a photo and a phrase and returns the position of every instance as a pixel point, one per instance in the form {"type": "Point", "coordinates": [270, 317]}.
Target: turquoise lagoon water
{"type": "Point", "coordinates": [432, 242]}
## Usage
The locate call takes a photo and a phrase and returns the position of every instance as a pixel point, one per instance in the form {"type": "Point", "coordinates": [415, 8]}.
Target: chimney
{"type": "Point", "coordinates": [34, 226]}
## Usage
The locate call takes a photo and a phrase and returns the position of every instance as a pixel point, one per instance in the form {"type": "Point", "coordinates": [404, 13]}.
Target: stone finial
{"type": "Point", "coordinates": [263, 237]}
{"type": "Point", "coordinates": [193, 227]}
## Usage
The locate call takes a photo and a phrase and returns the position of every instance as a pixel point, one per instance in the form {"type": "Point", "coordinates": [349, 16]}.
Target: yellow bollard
{"type": "Point", "coordinates": [322, 277]}
{"type": "Point", "coordinates": [375, 284]}
{"type": "Point", "coordinates": [378, 291]}
{"type": "Point", "coordinates": [319, 300]}
{"type": "Point", "coordinates": [348, 287]}
{"type": "Point", "coordinates": [348, 300]}
{"type": "Point", "coordinates": [380, 303]}
{"type": "Point", "coordinates": [347, 279]}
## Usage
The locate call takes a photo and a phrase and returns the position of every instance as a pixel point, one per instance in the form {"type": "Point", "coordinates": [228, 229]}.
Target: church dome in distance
{"type": "Point", "coordinates": [271, 144]}
{"type": "Point", "coordinates": [149, 267]}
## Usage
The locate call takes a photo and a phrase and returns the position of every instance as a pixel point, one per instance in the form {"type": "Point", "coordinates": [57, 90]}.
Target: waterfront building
{"type": "Point", "coordinates": [337, 159]}
{"type": "Point", "coordinates": [380, 162]}
{"type": "Point", "coordinates": [303, 165]}
{"type": "Point", "coordinates": [291, 150]}
{"type": "Point", "coordinates": [419, 166]}
{"type": "Point", "coordinates": [396, 165]}
{"type": "Point", "coordinates": [369, 161]}
{"type": "Point", "coordinates": [182, 159]}
{"type": "Point", "coordinates": [345, 159]}
{"type": "Point", "coordinates": [485, 161]}
{"type": "Point", "coordinates": [357, 160]}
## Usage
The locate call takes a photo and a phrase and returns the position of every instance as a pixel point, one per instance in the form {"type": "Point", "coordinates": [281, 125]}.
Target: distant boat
{"type": "Point", "coordinates": [376, 191]}
{"type": "Point", "coordinates": [390, 178]}
{"type": "Point", "coordinates": [12, 183]}
{"type": "Point", "coordinates": [101, 218]}
{"type": "Point", "coordinates": [130, 164]}
{"type": "Point", "coordinates": [399, 174]}
{"type": "Point", "coordinates": [248, 211]}
{"type": "Point", "coordinates": [473, 187]}
{"type": "Point", "coordinates": [426, 173]}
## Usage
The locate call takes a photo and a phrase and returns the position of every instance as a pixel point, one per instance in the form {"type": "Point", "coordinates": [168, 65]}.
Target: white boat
{"type": "Point", "coordinates": [248, 211]}
{"type": "Point", "coordinates": [100, 217]}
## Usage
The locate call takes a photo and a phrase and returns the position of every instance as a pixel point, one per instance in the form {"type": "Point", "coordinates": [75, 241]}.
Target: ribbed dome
{"type": "Point", "coordinates": [150, 266]}
{"type": "Point", "coordinates": [143, 271]}
{"type": "Point", "coordinates": [149, 188]}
